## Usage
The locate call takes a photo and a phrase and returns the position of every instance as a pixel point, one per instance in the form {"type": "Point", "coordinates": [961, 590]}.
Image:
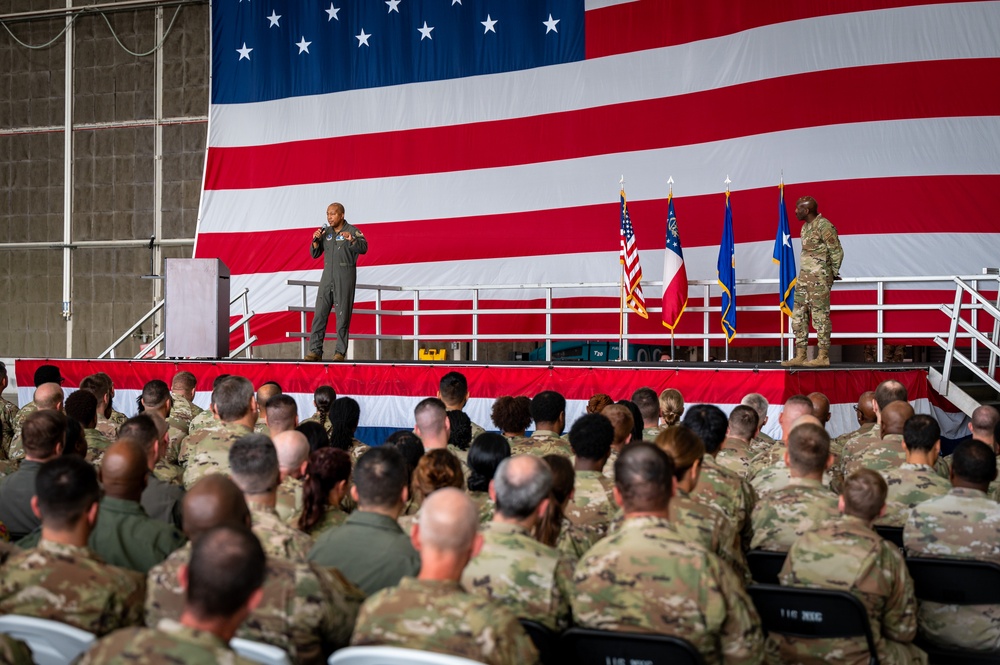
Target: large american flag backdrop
{"type": "Point", "coordinates": [482, 142]}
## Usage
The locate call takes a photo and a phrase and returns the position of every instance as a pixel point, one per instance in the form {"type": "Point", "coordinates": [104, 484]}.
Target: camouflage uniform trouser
{"type": "Point", "coordinates": [811, 298]}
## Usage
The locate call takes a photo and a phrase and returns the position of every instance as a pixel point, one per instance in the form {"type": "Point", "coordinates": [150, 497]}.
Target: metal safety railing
{"type": "Point", "coordinates": [699, 290]}
{"type": "Point", "coordinates": [246, 346]}
{"type": "Point", "coordinates": [977, 303]}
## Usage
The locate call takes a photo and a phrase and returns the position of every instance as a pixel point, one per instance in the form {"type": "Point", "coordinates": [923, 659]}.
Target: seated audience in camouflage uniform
{"type": "Point", "coordinates": [207, 450]}
{"type": "Point", "coordinates": [590, 510]}
{"type": "Point", "coordinates": [848, 555]}
{"type": "Point", "coordinates": [81, 406]}
{"type": "Point", "coordinates": [737, 448]}
{"type": "Point", "coordinates": [768, 471]}
{"type": "Point", "coordinates": [648, 578]}
{"type": "Point", "coordinates": [306, 610]}
{"type": "Point", "coordinates": [548, 410]}
{"type": "Point", "coordinates": [624, 424]}
{"type": "Point", "coordinates": [432, 612]}
{"type": "Point", "coordinates": [432, 424]}
{"type": "Point", "coordinates": [805, 503]}
{"type": "Point", "coordinates": [485, 455]}
{"type": "Point", "coordinates": [512, 416]}
{"type": "Point", "coordinates": [265, 393]}
{"type": "Point", "coordinates": [282, 414]}
{"type": "Point", "coordinates": [293, 459]}
{"type": "Point", "coordinates": [671, 406]}
{"type": "Point", "coordinates": [253, 464]}
{"type": "Point", "coordinates": [760, 441]}
{"type": "Point", "coordinates": [47, 397]}
{"type": "Point", "coordinates": [649, 407]}
{"type": "Point", "coordinates": [183, 386]}
{"type": "Point", "coordinates": [532, 580]}
{"type": "Point", "coordinates": [209, 418]}
{"type": "Point", "coordinates": [453, 390]}
{"type": "Point", "coordinates": [962, 524]}
{"type": "Point", "coordinates": [222, 585]}
{"type": "Point", "coordinates": [915, 481]}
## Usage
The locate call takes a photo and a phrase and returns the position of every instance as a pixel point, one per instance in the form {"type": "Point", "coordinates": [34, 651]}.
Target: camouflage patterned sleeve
{"type": "Point", "coordinates": [340, 602]}
{"type": "Point", "coordinates": [563, 591]}
{"type": "Point", "coordinates": [742, 635]}
{"type": "Point", "coordinates": [132, 598]}
{"type": "Point", "coordinates": [836, 251]}
{"type": "Point", "coordinates": [899, 617]}
{"type": "Point", "coordinates": [513, 646]}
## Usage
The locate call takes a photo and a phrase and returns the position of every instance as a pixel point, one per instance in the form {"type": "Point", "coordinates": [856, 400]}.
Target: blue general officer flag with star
{"type": "Point", "coordinates": [307, 47]}
{"type": "Point", "coordinates": [784, 256]}
{"type": "Point", "coordinates": [727, 274]}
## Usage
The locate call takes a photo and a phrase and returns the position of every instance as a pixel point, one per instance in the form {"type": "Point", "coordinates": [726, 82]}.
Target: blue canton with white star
{"type": "Point", "coordinates": [272, 49]}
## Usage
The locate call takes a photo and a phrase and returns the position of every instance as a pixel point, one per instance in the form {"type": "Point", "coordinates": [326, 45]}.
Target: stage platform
{"type": "Point", "coordinates": [387, 391]}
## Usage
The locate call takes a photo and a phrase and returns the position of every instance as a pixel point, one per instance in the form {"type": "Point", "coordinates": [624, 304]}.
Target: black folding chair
{"type": "Point", "coordinates": [955, 582]}
{"type": "Point", "coordinates": [544, 639]}
{"type": "Point", "coordinates": [765, 566]}
{"type": "Point", "coordinates": [894, 534]}
{"type": "Point", "coordinates": [583, 646]}
{"type": "Point", "coordinates": [812, 613]}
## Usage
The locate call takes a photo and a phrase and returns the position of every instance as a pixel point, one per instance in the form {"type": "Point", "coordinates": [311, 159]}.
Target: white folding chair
{"type": "Point", "coordinates": [260, 652]}
{"type": "Point", "coordinates": [51, 642]}
{"type": "Point", "coordinates": [394, 656]}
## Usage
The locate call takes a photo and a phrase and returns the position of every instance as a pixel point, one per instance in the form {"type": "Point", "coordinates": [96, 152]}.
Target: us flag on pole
{"type": "Point", "coordinates": [629, 258]}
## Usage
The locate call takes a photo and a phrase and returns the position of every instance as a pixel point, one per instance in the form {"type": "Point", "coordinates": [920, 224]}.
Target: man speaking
{"type": "Point", "coordinates": [342, 244]}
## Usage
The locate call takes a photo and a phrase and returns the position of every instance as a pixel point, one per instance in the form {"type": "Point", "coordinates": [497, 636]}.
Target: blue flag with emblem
{"type": "Point", "coordinates": [784, 256]}
{"type": "Point", "coordinates": [727, 273]}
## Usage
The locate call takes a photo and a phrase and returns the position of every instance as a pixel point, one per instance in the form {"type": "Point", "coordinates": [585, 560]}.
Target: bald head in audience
{"type": "Point", "coordinates": [796, 406]}
{"type": "Point", "coordinates": [214, 501]}
{"type": "Point", "coordinates": [49, 397]}
{"type": "Point", "coordinates": [983, 423]}
{"type": "Point", "coordinates": [866, 407]}
{"type": "Point", "coordinates": [293, 453]}
{"type": "Point", "coordinates": [894, 417]}
{"type": "Point", "coordinates": [123, 470]}
{"type": "Point", "coordinates": [821, 407]}
{"type": "Point", "coordinates": [446, 534]}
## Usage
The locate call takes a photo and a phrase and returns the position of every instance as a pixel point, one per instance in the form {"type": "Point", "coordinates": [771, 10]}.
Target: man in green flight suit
{"type": "Point", "coordinates": [342, 243]}
{"type": "Point", "coordinates": [819, 268]}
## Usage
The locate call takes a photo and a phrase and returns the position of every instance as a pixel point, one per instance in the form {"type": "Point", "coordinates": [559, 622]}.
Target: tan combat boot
{"type": "Point", "coordinates": [822, 359]}
{"type": "Point", "coordinates": [798, 360]}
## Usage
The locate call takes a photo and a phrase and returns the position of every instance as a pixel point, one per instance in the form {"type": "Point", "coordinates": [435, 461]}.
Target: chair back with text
{"type": "Point", "coordinates": [584, 646]}
{"type": "Point", "coordinates": [51, 642]}
{"type": "Point", "coordinates": [765, 566]}
{"type": "Point", "coordinates": [812, 613]}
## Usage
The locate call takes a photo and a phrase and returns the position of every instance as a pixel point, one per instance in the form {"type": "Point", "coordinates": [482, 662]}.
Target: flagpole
{"type": "Point", "coordinates": [733, 299]}
{"type": "Point", "coordinates": [781, 313]}
{"type": "Point", "coordinates": [670, 196]}
{"type": "Point", "coordinates": [621, 291]}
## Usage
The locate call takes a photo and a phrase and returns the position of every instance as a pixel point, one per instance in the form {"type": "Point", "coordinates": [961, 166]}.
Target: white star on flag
{"type": "Point", "coordinates": [425, 32]}
{"type": "Point", "coordinates": [393, 5]}
{"type": "Point", "coordinates": [244, 52]}
{"type": "Point", "coordinates": [362, 38]}
{"type": "Point", "coordinates": [488, 24]}
{"type": "Point", "coordinates": [550, 25]}
{"type": "Point", "coordinates": [455, 2]}
{"type": "Point", "coordinates": [273, 18]}
{"type": "Point", "coordinates": [785, 237]}
{"type": "Point", "coordinates": [303, 45]}
{"type": "Point", "coordinates": [332, 12]}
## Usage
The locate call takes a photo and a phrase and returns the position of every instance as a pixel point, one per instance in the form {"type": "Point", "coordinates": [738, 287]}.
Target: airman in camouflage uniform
{"type": "Point", "coordinates": [441, 616]}
{"type": "Point", "coordinates": [591, 509]}
{"type": "Point", "coordinates": [73, 585]}
{"type": "Point", "coordinates": [785, 514]}
{"type": "Point", "coordinates": [169, 642]}
{"type": "Point", "coordinates": [289, 498]}
{"type": "Point", "coordinates": [184, 409]}
{"type": "Point", "coordinates": [541, 443]}
{"type": "Point", "coordinates": [735, 456]}
{"type": "Point", "coordinates": [804, 503]}
{"type": "Point", "coordinates": [97, 443]}
{"type": "Point", "coordinates": [278, 538]}
{"type": "Point", "coordinates": [433, 612]}
{"type": "Point", "coordinates": [909, 485]}
{"type": "Point", "coordinates": [848, 555]}
{"type": "Point", "coordinates": [531, 579]}
{"type": "Point", "coordinates": [204, 420]}
{"type": "Point", "coordinates": [879, 454]}
{"type": "Point", "coordinates": [209, 452]}
{"type": "Point", "coordinates": [484, 505]}
{"type": "Point", "coordinates": [21, 414]}
{"type": "Point", "coordinates": [819, 268]}
{"type": "Point", "coordinates": [649, 578]}
{"type": "Point", "coordinates": [109, 426]}
{"type": "Point", "coordinates": [306, 610]}
{"type": "Point", "coordinates": [728, 493]}
{"type": "Point", "coordinates": [963, 524]}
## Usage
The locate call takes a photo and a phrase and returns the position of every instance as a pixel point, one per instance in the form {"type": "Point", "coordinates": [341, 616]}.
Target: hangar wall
{"type": "Point", "coordinates": [112, 174]}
